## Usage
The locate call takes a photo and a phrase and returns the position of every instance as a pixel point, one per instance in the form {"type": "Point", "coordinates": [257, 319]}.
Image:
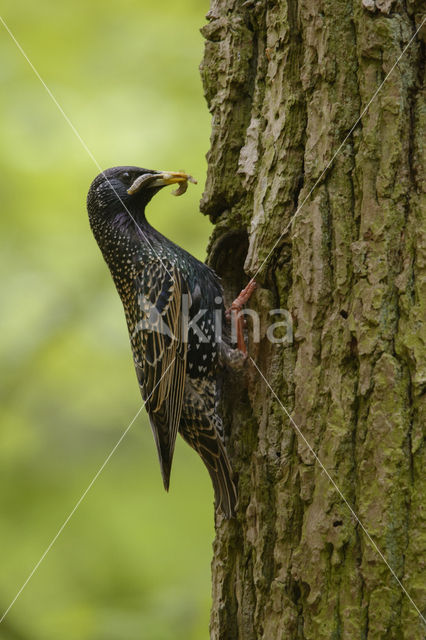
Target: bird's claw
{"type": "Point", "coordinates": [242, 299]}
{"type": "Point", "coordinates": [234, 313]}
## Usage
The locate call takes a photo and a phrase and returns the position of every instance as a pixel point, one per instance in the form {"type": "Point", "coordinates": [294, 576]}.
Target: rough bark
{"type": "Point", "coordinates": [285, 82]}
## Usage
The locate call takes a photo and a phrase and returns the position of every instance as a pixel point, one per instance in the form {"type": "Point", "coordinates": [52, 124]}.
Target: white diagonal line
{"type": "Point", "coordinates": [364, 111]}
{"type": "Point", "coordinates": [80, 139]}
{"type": "Point", "coordinates": [76, 133]}
{"type": "Point", "coordinates": [83, 495]}
{"type": "Point", "coordinates": [68, 518]}
{"type": "Point", "coordinates": [267, 257]}
{"type": "Point", "coordinates": [373, 544]}
{"type": "Point", "coordinates": [88, 151]}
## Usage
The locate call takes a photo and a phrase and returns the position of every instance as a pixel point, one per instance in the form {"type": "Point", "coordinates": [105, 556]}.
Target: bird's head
{"type": "Point", "coordinates": [129, 189]}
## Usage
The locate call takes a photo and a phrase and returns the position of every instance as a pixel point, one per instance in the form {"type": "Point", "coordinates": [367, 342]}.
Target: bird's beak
{"type": "Point", "coordinates": [161, 179]}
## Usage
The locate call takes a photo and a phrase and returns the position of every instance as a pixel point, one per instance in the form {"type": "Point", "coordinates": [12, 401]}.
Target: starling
{"type": "Point", "coordinates": [174, 309]}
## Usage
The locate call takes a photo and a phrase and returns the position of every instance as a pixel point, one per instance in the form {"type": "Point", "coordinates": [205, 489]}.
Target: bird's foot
{"type": "Point", "coordinates": [233, 314]}
{"type": "Point", "coordinates": [233, 359]}
{"type": "Point", "coordinates": [242, 299]}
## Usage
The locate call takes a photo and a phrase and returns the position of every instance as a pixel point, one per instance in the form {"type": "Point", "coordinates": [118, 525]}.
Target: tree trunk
{"type": "Point", "coordinates": [285, 83]}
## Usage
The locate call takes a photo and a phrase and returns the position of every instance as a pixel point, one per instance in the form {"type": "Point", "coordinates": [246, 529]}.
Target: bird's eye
{"type": "Point", "coordinates": [125, 175]}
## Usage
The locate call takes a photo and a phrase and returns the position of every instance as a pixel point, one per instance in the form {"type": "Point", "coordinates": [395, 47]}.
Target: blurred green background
{"type": "Point", "coordinates": [133, 562]}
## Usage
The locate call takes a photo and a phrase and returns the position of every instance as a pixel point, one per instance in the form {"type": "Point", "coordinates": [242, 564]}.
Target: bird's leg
{"type": "Point", "coordinates": [233, 313]}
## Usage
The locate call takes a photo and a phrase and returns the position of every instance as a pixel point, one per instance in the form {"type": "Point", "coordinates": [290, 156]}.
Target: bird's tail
{"type": "Point", "coordinates": [208, 444]}
{"type": "Point", "coordinates": [223, 483]}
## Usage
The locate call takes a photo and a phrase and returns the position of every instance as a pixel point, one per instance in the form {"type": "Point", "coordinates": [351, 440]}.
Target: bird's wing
{"type": "Point", "coordinates": [159, 343]}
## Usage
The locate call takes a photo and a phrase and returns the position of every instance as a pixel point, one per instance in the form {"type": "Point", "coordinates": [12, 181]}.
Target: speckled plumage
{"type": "Point", "coordinates": [158, 283]}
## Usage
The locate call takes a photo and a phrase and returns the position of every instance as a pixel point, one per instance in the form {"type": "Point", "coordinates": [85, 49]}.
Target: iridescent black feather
{"type": "Point", "coordinates": [159, 284]}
